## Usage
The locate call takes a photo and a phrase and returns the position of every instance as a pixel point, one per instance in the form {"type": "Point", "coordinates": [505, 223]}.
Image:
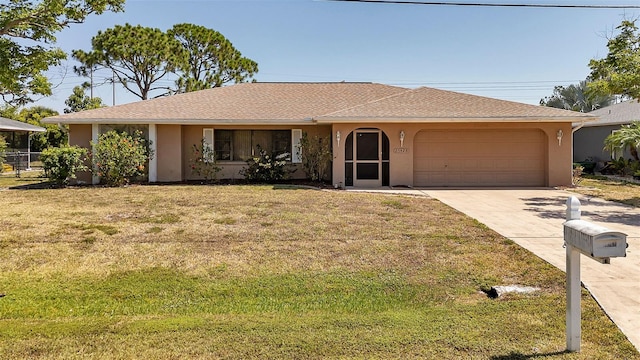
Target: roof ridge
{"type": "Point", "coordinates": [432, 95]}
{"type": "Point", "coordinates": [315, 82]}
{"type": "Point", "coordinates": [370, 102]}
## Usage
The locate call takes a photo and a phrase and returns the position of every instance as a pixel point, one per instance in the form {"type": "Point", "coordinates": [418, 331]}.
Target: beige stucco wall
{"type": "Point", "coordinates": [169, 153]}
{"type": "Point", "coordinates": [192, 134]}
{"type": "Point", "coordinates": [174, 143]}
{"type": "Point", "coordinates": [558, 157]}
{"type": "Point", "coordinates": [80, 135]}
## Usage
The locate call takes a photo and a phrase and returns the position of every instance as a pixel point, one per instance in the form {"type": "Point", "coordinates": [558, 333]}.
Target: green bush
{"type": "Point", "coordinates": [3, 148]}
{"type": "Point", "coordinates": [624, 167]}
{"type": "Point", "coordinates": [61, 164]}
{"type": "Point", "coordinates": [203, 161]}
{"type": "Point", "coordinates": [119, 157]}
{"type": "Point", "coordinates": [316, 156]}
{"type": "Point", "coordinates": [267, 168]}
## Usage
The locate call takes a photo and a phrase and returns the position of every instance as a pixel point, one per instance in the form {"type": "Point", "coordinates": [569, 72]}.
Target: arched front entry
{"type": "Point", "coordinates": [366, 154]}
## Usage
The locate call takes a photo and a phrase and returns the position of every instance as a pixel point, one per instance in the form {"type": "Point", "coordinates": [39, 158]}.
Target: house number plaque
{"type": "Point", "coordinates": [401, 150]}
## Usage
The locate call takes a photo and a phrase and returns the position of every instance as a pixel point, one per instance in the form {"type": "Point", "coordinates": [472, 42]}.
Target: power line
{"type": "Point", "coordinates": [478, 4]}
{"type": "Point", "coordinates": [515, 83]}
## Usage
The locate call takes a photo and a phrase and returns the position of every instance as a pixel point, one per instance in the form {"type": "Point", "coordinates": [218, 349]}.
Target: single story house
{"type": "Point", "coordinates": [588, 140]}
{"type": "Point", "coordinates": [381, 135]}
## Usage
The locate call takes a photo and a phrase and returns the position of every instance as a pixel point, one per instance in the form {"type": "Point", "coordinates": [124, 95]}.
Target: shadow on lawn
{"type": "Point", "coordinates": [35, 186]}
{"type": "Point", "coordinates": [517, 356]}
{"type": "Point", "coordinates": [283, 186]}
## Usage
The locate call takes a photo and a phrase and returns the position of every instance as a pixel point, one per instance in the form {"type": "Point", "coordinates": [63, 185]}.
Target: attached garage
{"type": "Point", "coordinates": [480, 158]}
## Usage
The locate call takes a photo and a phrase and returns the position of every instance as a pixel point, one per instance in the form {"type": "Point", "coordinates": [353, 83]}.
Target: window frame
{"type": "Point", "coordinates": [616, 153]}
{"type": "Point", "coordinates": [228, 140]}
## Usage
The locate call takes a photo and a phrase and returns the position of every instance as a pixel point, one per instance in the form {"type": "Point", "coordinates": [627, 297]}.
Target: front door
{"type": "Point", "coordinates": [367, 158]}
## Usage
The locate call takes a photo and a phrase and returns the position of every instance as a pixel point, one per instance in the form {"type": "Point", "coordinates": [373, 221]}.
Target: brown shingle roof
{"type": "Point", "coordinates": [248, 102]}
{"type": "Point", "coordinates": [423, 104]}
{"type": "Point", "coordinates": [298, 103]}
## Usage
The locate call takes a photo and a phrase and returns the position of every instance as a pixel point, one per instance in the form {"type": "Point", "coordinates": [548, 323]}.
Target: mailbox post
{"type": "Point", "coordinates": [596, 242]}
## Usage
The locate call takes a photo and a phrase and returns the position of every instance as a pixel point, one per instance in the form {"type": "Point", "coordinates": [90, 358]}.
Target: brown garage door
{"type": "Point", "coordinates": [479, 158]}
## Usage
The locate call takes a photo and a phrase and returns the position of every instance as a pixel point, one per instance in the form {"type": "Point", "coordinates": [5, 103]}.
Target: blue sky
{"type": "Point", "coordinates": [516, 54]}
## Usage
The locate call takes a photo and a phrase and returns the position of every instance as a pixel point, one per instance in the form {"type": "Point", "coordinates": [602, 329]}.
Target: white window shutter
{"type": "Point", "coordinates": [296, 149]}
{"type": "Point", "coordinates": [207, 135]}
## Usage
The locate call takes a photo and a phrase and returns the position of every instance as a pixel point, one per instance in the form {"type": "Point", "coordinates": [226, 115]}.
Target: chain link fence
{"type": "Point", "coordinates": [20, 161]}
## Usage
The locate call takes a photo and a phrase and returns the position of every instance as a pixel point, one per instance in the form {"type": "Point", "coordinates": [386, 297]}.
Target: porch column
{"type": "Point", "coordinates": [153, 146]}
{"type": "Point", "coordinates": [28, 150]}
{"type": "Point", "coordinates": [95, 132]}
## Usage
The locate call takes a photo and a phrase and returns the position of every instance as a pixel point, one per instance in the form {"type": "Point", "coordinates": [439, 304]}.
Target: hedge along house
{"type": "Point", "coordinates": [381, 135]}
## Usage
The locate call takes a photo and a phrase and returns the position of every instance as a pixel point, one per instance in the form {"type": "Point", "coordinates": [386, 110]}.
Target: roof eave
{"type": "Point", "coordinates": [23, 129]}
{"type": "Point", "coordinates": [247, 122]}
{"type": "Point", "coordinates": [612, 123]}
{"type": "Point", "coordinates": [326, 119]}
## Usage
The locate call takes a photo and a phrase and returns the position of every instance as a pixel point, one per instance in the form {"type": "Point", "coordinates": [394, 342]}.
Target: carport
{"type": "Point", "coordinates": [13, 127]}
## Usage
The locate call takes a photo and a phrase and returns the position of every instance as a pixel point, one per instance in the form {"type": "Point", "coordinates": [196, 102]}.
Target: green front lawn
{"type": "Point", "coordinates": [173, 272]}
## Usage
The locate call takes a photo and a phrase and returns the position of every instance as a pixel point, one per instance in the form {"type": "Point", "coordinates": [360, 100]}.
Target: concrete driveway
{"type": "Point", "coordinates": [533, 218]}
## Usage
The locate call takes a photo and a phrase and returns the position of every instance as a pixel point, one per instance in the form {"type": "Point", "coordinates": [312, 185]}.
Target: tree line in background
{"type": "Point", "coordinates": [577, 97]}
{"type": "Point", "coordinates": [140, 57]}
{"type": "Point", "coordinates": [197, 57]}
{"type": "Point", "coordinates": [615, 76]}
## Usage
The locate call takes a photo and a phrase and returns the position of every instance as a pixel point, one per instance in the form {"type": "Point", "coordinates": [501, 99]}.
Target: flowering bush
{"type": "Point", "coordinates": [61, 163]}
{"type": "Point", "coordinates": [267, 168]}
{"type": "Point", "coordinates": [120, 157]}
{"type": "Point", "coordinates": [203, 161]}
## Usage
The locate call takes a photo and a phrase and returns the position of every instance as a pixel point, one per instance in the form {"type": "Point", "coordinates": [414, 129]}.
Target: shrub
{"type": "Point", "coordinates": [3, 148]}
{"type": "Point", "coordinates": [267, 168]}
{"type": "Point", "coordinates": [203, 161]}
{"type": "Point", "coordinates": [316, 156]}
{"type": "Point", "coordinates": [120, 157]}
{"type": "Point", "coordinates": [577, 175]}
{"type": "Point", "coordinates": [623, 167]}
{"type": "Point", "coordinates": [61, 164]}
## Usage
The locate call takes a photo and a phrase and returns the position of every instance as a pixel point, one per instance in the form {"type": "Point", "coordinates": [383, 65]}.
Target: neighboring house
{"type": "Point", "coordinates": [16, 133]}
{"type": "Point", "coordinates": [18, 137]}
{"type": "Point", "coordinates": [588, 141]}
{"type": "Point", "coordinates": [381, 135]}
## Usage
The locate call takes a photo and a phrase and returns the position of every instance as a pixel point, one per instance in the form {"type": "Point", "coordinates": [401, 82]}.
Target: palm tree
{"type": "Point", "coordinates": [576, 97]}
{"type": "Point", "coordinates": [628, 137]}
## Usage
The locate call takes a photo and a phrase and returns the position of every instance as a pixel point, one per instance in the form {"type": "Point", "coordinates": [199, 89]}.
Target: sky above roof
{"type": "Point", "coordinates": [516, 54]}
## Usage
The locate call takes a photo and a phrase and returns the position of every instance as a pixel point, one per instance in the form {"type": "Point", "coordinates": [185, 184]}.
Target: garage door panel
{"type": "Point", "coordinates": [480, 158]}
{"type": "Point", "coordinates": [429, 178]}
{"type": "Point", "coordinates": [425, 164]}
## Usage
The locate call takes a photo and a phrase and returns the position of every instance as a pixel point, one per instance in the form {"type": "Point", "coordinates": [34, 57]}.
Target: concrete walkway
{"type": "Point", "coordinates": [533, 219]}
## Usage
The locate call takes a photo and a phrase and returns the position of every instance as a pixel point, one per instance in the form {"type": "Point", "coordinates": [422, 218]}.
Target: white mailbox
{"type": "Point", "coordinates": [595, 241]}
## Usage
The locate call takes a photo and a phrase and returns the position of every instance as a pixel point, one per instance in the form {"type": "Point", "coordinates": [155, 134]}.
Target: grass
{"type": "Point", "coordinates": [609, 189]}
{"type": "Point", "coordinates": [243, 272]}
{"type": "Point", "coordinates": [26, 178]}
